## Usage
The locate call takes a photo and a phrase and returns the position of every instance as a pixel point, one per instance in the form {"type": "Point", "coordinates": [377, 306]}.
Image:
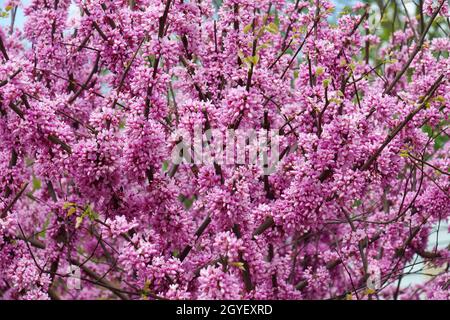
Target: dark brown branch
{"type": "Point", "coordinates": [9, 78]}
{"type": "Point", "coordinates": [246, 276]}
{"type": "Point", "coordinates": [91, 74]}
{"type": "Point", "coordinates": [13, 201]}
{"type": "Point", "coordinates": [268, 222]}
{"type": "Point", "coordinates": [163, 18]}
{"type": "Point", "coordinates": [299, 49]}
{"type": "Point", "coordinates": [198, 233]}
{"type": "Point", "coordinates": [16, 109]}
{"type": "Point", "coordinates": [54, 139]}
{"type": "Point", "coordinates": [3, 50]}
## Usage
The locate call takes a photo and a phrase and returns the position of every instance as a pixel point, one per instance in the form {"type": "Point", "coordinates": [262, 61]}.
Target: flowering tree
{"type": "Point", "coordinates": [92, 106]}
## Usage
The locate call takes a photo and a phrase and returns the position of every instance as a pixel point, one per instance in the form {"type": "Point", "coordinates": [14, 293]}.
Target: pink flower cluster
{"type": "Point", "coordinates": [88, 109]}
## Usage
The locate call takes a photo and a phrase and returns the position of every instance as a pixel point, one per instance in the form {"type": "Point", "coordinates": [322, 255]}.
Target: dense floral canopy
{"type": "Point", "coordinates": [90, 107]}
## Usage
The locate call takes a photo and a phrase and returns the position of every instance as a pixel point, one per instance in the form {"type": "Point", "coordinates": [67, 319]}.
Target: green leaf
{"type": "Point", "coordinates": [255, 59]}
{"type": "Point", "coordinates": [91, 214]}
{"type": "Point", "coordinates": [346, 10]}
{"type": "Point", "coordinates": [36, 183]}
{"type": "Point", "coordinates": [370, 291]}
{"type": "Point", "coordinates": [43, 233]}
{"type": "Point", "coordinates": [272, 28]}
{"type": "Point", "coordinates": [165, 166]}
{"type": "Point", "coordinates": [247, 28]}
{"type": "Point", "coordinates": [356, 203]}
{"type": "Point", "coordinates": [188, 203]}
{"type": "Point", "coordinates": [439, 99]}
{"type": "Point", "coordinates": [262, 46]}
{"type": "Point", "coordinates": [67, 205]}
{"type": "Point", "coordinates": [71, 211]}
{"type": "Point", "coordinates": [440, 141]}
{"type": "Point", "coordinates": [428, 130]}
{"type": "Point", "coordinates": [251, 60]}
{"type": "Point", "coordinates": [391, 61]}
{"type": "Point", "coordinates": [352, 66]}
{"type": "Point", "coordinates": [320, 71]}
{"type": "Point", "coordinates": [146, 290]}
{"type": "Point", "coordinates": [403, 153]}
{"type": "Point", "coordinates": [239, 265]}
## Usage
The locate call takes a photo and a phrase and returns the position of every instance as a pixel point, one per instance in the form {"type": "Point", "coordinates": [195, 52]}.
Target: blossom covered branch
{"type": "Point", "coordinates": [95, 106]}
